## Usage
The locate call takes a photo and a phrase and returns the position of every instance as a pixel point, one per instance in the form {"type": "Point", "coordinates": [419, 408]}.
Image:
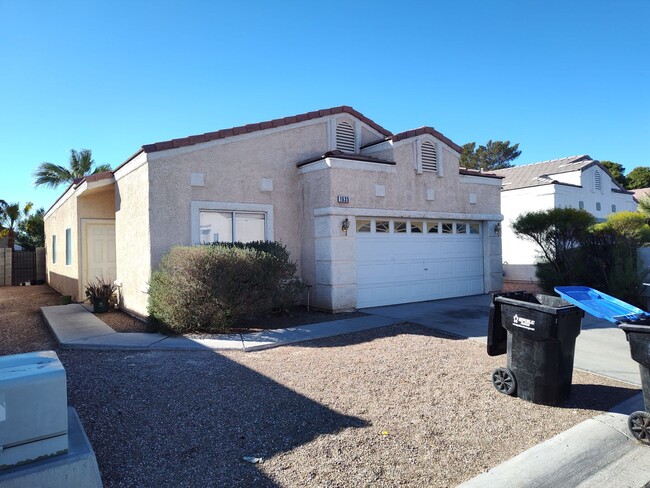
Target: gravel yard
{"type": "Point", "coordinates": [398, 406]}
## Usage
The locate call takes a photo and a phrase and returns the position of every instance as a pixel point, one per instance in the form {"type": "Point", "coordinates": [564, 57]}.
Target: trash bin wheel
{"type": "Point", "coordinates": [639, 425]}
{"type": "Point", "coordinates": [504, 381]}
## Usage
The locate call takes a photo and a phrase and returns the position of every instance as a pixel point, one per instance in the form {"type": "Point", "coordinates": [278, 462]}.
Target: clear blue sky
{"type": "Point", "coordinates": [559, 77]}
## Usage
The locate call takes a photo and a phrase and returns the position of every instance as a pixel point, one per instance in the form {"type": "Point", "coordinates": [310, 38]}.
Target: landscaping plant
{"type": "Point", "coordinates": [210, 287]}
{"type": "Point", "coordinates": [574, 250]}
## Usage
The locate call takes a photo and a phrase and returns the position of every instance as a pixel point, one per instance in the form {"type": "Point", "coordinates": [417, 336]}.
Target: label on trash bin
{"type": "Point", "coordinates": [523, 322]}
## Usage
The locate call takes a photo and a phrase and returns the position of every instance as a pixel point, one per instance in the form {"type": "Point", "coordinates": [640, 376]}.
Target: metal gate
{"type": "Point", "coordinates": [23, 267]}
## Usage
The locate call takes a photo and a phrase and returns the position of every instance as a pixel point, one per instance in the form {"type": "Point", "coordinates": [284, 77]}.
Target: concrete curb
{"type": "Point", "coordinates": [598, 452]}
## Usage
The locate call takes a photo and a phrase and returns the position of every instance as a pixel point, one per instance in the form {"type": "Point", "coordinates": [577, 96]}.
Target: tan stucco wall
{"type": "Point", "coordinates": [233, 173]}
{"type": "Point", "coordinates": [407, 193]}
{"type": "Point", "coordinates": [63, 278]}
{"type": "Point", "coordinates": [98, 203]}
{"type": "Point", "coordinates": [132, 238]}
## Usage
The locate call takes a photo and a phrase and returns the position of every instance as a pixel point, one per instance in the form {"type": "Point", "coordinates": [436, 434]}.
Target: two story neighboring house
{"type": "Point", "coordinates": [371, 217]}
{"type": "Point", "coordinates": [575, 182]}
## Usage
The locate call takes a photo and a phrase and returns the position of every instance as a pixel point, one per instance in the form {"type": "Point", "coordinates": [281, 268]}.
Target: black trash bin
{"type": "Point", "coordinates": [638, 336]}
{"type": "Point", "coordinates": [540, 337]}
{"type": "Point", "coordinates": [636, 324]}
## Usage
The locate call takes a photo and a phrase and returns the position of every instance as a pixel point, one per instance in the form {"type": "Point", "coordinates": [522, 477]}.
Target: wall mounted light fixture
{"type": "Point", "coordinates": [345, 225]}
{"type": "Point", "coordinates": [497, 229]}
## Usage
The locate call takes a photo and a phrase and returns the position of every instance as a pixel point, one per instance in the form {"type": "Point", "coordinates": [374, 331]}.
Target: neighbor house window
{"type": "Point", "coordinates": [613, 208]}
{"type": "Point", "coordinates": [581, 205]}
{"type": "Point", "coordinates": [53, 249]}
{"type": "Point", "coordinates": [345, 137]}
{"type": "Point", "coordinates": [231, 226]}
{"type": "Point", "coordinates": [598, 206]}
{"type": "Point", "coordinates": [68, 247]}
{"type": "Point", "coordinates": [429, 156]}
{"type": "Point", "coordinates": [382, 226]}
{"type": "Point", "coordinates": [363, 226]}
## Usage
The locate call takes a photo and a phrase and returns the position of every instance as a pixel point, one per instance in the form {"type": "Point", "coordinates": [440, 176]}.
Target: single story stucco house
{"type": "Point", "coordinates": [574, 182]}
{"type": "Point", "coordinates": [370, 217]}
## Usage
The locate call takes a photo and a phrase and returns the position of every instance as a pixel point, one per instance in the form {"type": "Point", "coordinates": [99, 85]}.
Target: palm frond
{"type": "Point", "coordinates": [102, 168]}
{"type": "Point", "coordinates": [51, 175]}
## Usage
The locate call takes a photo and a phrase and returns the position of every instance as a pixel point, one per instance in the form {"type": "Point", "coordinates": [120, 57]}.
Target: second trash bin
{"type": "Point", "coordinates": [541, 335]}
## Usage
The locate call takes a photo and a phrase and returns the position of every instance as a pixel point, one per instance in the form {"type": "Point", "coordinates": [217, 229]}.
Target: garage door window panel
{"type": "Point", "coordinates": [363, 226]}
{"type": "Point", "coordinates": [447, 228]}
{"type": "Point", "coordinates": [433, 227]}
{"type": "Point", "coordinates": [399, 227]}
{"type": "Point", "coordinates": [382, 226]}
{"type": "Point", "coordinates": [417, 227]}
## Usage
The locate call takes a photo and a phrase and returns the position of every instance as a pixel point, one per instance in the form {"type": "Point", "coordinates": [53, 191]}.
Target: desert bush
{"type": "Point", "coordinates": [209, 288]}
{"type": "Point", "coordinates": [576, 251]}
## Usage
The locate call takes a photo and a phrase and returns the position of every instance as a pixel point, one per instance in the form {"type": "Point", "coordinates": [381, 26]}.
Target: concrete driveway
{"type": "Point", "coordinates": [601, 347]}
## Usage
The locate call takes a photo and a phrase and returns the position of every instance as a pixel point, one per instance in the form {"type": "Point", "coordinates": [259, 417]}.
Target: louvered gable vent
{"type": "Point", "coordinates": [429, 157]}
{"type": "Point", "coordinates": [598, 181]}
{"type": "Point", "coordinates": [345, 137]}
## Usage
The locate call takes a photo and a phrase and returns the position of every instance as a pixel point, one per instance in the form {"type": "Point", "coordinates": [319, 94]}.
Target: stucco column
{"type": "Point", "coordinates": [335, 286]}
{"type": "Point", "coordinates": [492, 256]}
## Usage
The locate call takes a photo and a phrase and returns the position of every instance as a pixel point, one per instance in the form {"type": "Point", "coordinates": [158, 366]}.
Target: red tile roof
{"type": "Point", "coordinates": [341, 155]}
{"type": "Point", "coordinates": [418, 132]}
{"type": "Point", "coordinates": [246, 129]}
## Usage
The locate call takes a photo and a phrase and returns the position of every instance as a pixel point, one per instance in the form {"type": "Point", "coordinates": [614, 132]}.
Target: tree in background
{"type": "Point", "coordinates": [639, 177]}
{"type": "Point", "coordinates": [31, 231]}
{"type": "Point", "coordinates": [576, 251]}
{"type": "Point", "coordinates": [558, 232]}
{"type": "Point", "coordinates": [617, 171]}
{"type": "Point", "coordinates": [80, 164]}
{"type": "Point", "coordinates": [494, 155]}
{"type": "Point", "coordinates": [10, 216]}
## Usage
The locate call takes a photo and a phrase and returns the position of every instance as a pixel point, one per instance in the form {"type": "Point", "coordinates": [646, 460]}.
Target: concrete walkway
{"type": "Point", "coordinates": [599, 452]}
{"type": "Point", "coordinates": [76, 328]}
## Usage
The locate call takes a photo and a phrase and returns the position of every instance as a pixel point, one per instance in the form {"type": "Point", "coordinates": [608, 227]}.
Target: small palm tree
{"type": "Point", "coordinates": [644, 205]}
{"type": "Point", "coordinates": [81, 164]}
{"type": "Point", "coordinates": [10, 215]}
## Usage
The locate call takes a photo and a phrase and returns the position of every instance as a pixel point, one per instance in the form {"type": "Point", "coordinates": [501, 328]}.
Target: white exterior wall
{"type": "Point", "coordinates": [520, 255]}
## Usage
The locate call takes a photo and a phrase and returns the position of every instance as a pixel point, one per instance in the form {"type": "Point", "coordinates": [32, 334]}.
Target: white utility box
{"type": "Point", "coordinates": [33, 408]}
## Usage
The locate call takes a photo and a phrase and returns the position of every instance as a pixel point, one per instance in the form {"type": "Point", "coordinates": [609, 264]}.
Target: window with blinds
{"type": "Point", "coordinates": [345, 137]}
{"type": "Point", "coordinates": [429, 157]}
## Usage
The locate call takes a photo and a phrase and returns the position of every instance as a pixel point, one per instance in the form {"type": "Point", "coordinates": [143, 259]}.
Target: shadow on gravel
{"type": "Point", "coordinates": [373, 334]}
{"type": "Point", "coordinates": [188, 418]}
{"type": "Point", "coordinates": [597, 397]}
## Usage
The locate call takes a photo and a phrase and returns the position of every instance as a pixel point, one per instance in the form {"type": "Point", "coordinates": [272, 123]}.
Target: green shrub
{"type": "Point", "coordinates": [576, 251]}
{"type": "Point", "coordinates": [209, 288]}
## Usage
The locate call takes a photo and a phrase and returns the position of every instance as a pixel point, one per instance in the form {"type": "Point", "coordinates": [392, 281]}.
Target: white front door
{"type": "Point", "coordinates": [100, 255]}
{"type": "Point", "coordinates": [442, 260]}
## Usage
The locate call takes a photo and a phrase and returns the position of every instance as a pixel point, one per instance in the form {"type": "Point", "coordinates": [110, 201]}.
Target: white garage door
{"type": "Point", "coordinates": [402, 261]}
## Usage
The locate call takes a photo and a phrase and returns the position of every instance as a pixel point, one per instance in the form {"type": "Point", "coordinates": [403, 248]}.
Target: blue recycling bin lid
{"type": "Point", "coordinates": [601, 305]}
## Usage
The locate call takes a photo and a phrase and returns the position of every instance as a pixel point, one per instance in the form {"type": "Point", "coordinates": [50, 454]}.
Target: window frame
{"type": "Point", "coordinates": [196, 207]}
{"type": "Point", "coordinates": [68, 246]}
